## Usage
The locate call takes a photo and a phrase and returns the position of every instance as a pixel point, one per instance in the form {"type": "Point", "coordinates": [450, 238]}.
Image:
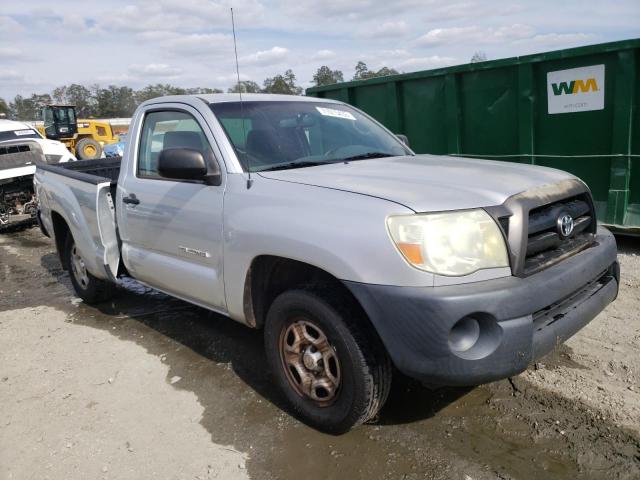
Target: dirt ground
{"type": "Point", "coordinates": [147, 386]}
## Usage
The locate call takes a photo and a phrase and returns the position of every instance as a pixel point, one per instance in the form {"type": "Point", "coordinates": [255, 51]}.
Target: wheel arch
{"type": "Point", "coordinates": [268, 276]}
{"type": "Point", "coordinates": [60, 231]}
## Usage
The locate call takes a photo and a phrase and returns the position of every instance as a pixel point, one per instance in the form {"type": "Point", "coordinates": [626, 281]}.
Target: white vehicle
{"type": "Point", "coordinates": [21, 149]}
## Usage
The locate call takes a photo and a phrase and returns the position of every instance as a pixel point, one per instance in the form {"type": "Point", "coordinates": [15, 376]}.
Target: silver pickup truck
{"type": "Point", "coordinates": [307, 219]}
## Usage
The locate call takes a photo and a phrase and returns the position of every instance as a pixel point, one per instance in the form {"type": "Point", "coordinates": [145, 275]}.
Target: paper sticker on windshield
{"type": "Point", "coordinates": [20, 133]}
{"type": "Point", "coordinates": [331, 112]}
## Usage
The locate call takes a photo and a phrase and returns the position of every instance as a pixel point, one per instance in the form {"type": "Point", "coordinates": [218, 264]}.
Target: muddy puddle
{"type": "Point", "coordinates": [508, 429]}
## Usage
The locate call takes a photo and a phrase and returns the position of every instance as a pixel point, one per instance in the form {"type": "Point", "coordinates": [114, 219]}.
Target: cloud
{"type": "Point", "coordinates": [78, 24]}
{"type": "Point", "coordinates": [154, 70]}
{"type": "Point", "coordinates": [475, 35]}
{"type": "Point", "coordinates": [9, 25]}
{"type": "Point", "coordinates": [266, 57]}
{"type": "Point", "coordinates": [470, 10]}
{"type": "Point", "coordinates": [323, 55]}
{"type": "Point", "coordinates": [10, 76]}
{"type": "Point", "coordinates": [10, 53]}
{"type": "Point", "coordinates": [194, 37]}
{"type": "Point", "coordinates": [386, 30]}
{"type": "Point", "coordinates": [397, 53]}
{"type": "Point", "coordinates": [181, 15]}
{"type": "Point", "coordinates": [230, 79]}
{"type": "Point", "coordinates": [349, 10]}
{"type": "Point", "coordinates": [565, 39]}
{"type": "Point", "coordinates": [201, 44]}
{"type": "Point", "coordinates": [425, 63]}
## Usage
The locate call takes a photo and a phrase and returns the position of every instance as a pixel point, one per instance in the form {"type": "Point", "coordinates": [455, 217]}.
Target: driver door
{"type": "Point", "coordinates": [172, 229]}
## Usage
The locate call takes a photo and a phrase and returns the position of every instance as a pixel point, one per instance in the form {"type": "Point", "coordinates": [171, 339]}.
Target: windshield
{"type": "Point", "coordinates": [282, 135]}
{"type": "Point", "coordinates": [64, 114]}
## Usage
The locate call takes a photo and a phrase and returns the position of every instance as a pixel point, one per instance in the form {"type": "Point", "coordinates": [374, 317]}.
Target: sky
{"type": "Point", "coordinates": [188, 43]}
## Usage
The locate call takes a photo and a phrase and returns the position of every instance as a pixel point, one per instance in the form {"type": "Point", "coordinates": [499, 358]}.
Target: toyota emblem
{"type": "Point", "coordinates": [565, 225]}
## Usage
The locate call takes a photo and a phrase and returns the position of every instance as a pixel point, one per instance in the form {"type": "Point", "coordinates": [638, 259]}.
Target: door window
{"type": "Point", "coordinates": [169, 129]}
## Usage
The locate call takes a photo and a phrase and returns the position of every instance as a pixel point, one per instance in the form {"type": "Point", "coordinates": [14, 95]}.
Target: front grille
{"type": "Point", "coordinates": [18, 154]}
{"type": "Point", "coordinates": [14, 149]}
{"type": "Point", "coordinates": [545, 245]}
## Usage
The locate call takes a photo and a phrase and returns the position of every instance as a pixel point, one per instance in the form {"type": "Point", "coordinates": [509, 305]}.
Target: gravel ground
{"type": "Point", "coordinates": [147, 386]}
{"type": "Point", "coordinates": [70, 389]}
{"type": "Point", "coordinates": [600, 366]}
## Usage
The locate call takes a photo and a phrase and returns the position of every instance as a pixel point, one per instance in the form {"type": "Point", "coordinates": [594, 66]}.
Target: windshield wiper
{"type": "Point", "coordinates": [365, 156]}
{"type": "Point", "coordinates": [287, 166]}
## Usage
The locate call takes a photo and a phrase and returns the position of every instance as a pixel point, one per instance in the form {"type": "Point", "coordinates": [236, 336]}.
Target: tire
{"type": "Point", "coordinates": [90, 289]}
{"type": "Point", "coordinates": [353, 358]}
{"type": "Point", "coordinates": [88, 149]}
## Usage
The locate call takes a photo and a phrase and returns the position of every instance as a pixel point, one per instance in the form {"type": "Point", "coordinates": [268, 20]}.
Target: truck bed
{"type": "Point", "coordinates": [91, 171]}
{"type": "Point", "coordinates": [81, 193]}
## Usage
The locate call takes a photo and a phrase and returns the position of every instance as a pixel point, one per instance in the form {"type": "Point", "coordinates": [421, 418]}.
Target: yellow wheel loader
{"type": "Point", "coordinates": [84, 138]}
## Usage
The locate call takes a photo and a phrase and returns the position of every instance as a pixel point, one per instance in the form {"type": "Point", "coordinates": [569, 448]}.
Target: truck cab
{"type": "Point", "coordinates": [60, 121]}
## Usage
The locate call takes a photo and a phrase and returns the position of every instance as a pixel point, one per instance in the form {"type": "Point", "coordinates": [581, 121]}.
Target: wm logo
{"type": "Point", "coordinates": [575, 86]}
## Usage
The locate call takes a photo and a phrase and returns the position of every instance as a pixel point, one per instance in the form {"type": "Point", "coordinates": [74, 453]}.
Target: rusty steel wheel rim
{"type": "Point", "coordinates": [310, 362]}
{"type": "Point", "coordinates": [78, 267]}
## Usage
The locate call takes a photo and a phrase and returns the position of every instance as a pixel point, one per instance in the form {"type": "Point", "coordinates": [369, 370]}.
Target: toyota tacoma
{"type": "Point", "coordinates": [307, 219]}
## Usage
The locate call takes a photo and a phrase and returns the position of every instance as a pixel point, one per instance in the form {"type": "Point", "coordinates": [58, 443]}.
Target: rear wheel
{"type": "Point", "coordinates": [89, 288]}
{"type": "Point", "coordinates": [88, 149]}
{"type": "Point", "coordinates": [333, 372]}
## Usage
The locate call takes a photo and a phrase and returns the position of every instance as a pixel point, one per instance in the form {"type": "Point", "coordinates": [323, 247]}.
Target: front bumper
{"type": "Point", "coordinates": [521, 319]}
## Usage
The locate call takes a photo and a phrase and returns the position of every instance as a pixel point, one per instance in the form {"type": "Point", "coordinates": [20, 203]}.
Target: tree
{"type": "Point", "coordinates": [284, 84]}
{"type": "Point", "coordinates": [155, 91]}
{"type": "Point", "coordinates": [115, 101]}
{"type": "Point", "coordinates": [202, 91]}
{"type": "Point", "coordinates": [161, 90]}
{"type": "Point", "coordinates": [363, 72]}
{"type": "Point", "coordinates": [29, 108]}
{"type": "Point", "coordinates": [478, 57]}
{"type": "Point", "coordinates": [77, 95]}
{"type": "Point", "coordinates": [326, 76]}
{"type": "Point", "coordinates": [20, 107]}
{"type": "Point", "coordinates": [96, 101]}
{"type": "Point", "coordinates": [59, 94]}
{"type": "Point", "coordinates": [4, 108]}
{"type": "Point", "coordinates": [386, 71]}
{"type": "Point", "coordinates": [246, 86]}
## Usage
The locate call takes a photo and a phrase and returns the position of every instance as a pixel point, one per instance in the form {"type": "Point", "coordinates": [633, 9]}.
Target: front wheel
{"type": "Point", "coordinates": [334, 373]}
{"type": "Point", "coordinates": [88, 149]}
{"type": "Point", "coordinates": [89, 288]}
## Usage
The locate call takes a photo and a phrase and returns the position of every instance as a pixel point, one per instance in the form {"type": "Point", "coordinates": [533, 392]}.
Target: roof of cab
{"type": "Point", "coordinates": [259, 97]}
{"type": "Point", "coordinates": [235, 97]}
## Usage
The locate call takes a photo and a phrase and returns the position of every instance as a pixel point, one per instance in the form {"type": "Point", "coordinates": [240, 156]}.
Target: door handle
{"type": "Point", "coordinates": [131, 199]}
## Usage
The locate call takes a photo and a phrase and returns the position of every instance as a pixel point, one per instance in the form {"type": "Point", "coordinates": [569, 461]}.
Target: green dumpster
{"type": "Point", "coordinates": [574, 109]}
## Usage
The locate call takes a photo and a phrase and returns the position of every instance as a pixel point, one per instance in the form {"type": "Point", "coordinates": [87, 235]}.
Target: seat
{"type": "Point", "coordinates": [191, 140]}
{"type": "Point", "coordinates": [262, 143]}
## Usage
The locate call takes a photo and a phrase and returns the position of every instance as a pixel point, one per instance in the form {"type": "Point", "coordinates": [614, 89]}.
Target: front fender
{"type": "Point", "coordinates": [339, 232]}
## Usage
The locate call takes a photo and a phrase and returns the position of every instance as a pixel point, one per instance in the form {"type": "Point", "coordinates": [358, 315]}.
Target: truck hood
{"type": "Point", "coordinates": [427, 182]}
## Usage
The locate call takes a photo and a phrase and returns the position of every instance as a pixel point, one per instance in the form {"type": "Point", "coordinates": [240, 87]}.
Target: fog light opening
{"type": "Point", "coordinates": [464, 334]}
{"type": "Point", "coordinates": [475, 336]}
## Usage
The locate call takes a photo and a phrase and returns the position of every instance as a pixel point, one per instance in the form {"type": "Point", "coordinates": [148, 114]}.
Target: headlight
{"type": "Point", "coordinates": [450, 243]}
{"type": "Point", "coordinates": [52, 158]}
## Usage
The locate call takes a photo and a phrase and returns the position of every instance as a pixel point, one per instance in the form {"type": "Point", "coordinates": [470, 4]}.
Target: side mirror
{"type": "Point", "coordinates": [186, 164]}
{"type": "Point", "coordinates": [403, 138]}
